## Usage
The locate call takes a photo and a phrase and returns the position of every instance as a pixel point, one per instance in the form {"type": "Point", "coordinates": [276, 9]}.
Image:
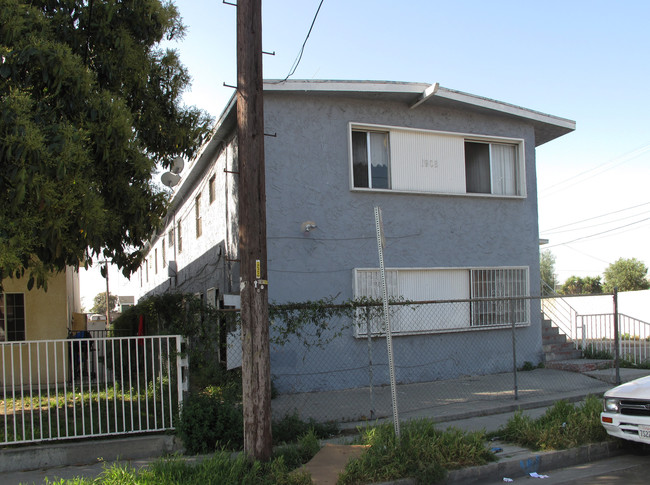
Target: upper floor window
{"type": "Point", "coordinates": [211, 188]}
{"type": "Point", "coordinates": [433, 162]}
{"type": "Point", "coordinates": [491, 168]}
{"type": "Point", "coordinates": [197, 214]}
{"type": "Point", "coordinates": [12, 317]}
{"type": "Point", "coordinates": [170, 238]}
{"type": "Point", "coordinates": [370, 159]}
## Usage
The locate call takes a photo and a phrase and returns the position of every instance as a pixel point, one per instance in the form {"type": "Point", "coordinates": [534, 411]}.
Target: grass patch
{"type": "Point", "coordinates": [65, 413]}
{"type": "Point", "coordinates": [590, 352]}
{"type": "Point", "coordinates": [562, 426]}
{"type": "Point", "coordinates": [423, 453]}
{"type": "Point", "coordinates": [222, 468]}
{"type": "Point", "coordinates": [213, 419]}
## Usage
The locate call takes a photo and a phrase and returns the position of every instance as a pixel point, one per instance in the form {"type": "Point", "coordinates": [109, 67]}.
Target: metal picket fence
{"type": "Point", "coordinates": [599, 337]}
{"type": "Point", "coordinates": [90, 387]}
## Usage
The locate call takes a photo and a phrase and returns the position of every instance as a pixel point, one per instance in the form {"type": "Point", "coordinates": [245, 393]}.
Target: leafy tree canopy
{"type": "Point", "coordinates": [89, 106]}
{"type": "Point", "coordinates": [547, 272]}
{"type": "Point", "coordinates": [575, 285]}
{"type": "Point", "coordinates": [100, 303]}
{"type": "Point", "coordinates": [626, 275]}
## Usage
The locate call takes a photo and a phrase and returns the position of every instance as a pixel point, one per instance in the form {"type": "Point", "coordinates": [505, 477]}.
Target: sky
{"type": "Point", "coordinates": [587, 61]}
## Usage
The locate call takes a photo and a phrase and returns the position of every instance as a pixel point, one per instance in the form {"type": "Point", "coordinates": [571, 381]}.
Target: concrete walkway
{"type": "Point", "coordinates": [478, 405]}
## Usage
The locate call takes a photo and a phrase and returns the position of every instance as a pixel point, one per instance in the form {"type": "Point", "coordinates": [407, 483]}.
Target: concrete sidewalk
{"type": "Point", "coordinates": [479, 405]}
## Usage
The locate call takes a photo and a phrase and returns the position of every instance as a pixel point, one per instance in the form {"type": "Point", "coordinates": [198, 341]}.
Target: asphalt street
{"type": "Point", "coordinates": [631, 468]}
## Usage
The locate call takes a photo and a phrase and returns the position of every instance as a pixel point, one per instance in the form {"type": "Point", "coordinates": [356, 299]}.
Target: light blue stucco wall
{"type": "Point", "coordinates": [307, 179]}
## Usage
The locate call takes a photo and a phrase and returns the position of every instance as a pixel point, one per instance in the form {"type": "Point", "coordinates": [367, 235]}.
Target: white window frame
{"type": "Point", "coordinates": [396, 158]}
{"type": "Point", "coordinates": [476, 312]}
{"type": "Point", "coordinates": [370, 157]}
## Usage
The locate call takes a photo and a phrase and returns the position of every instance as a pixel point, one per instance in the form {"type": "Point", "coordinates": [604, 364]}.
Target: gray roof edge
{"type": "Point", "coordinates": [505, 108]}
{"type": "Point", "coordinates": [344, 86]}
{"type": "Point", "coordinates": [416, 89]}
{"type": "Point", "coordinates": [221, 131]}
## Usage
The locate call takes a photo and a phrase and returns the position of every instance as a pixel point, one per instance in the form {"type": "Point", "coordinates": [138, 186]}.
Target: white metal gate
{"type": "Point", "coordinates": [86, 387]}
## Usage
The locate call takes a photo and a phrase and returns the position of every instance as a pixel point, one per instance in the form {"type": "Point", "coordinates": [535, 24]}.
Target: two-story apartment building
{"type": "Point", "coordinates": [454, 174]}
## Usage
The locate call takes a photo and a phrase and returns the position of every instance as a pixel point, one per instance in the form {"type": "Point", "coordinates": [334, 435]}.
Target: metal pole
{"type": "Point", "coordinates": [370, 373]}
{"type": "Point", "coordinates": [389, 337]}
{"type": "Point", "coordinates": [616, 338]}
{"type": "Point", "coordinates": [514, 349]}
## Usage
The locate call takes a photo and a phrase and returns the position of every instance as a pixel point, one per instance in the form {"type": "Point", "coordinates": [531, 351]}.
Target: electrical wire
{"type": "Point", "coordinates": [597, 234]}
{"type": "Point", "coordinates": [296, 63]}
{"type": "Point", "coordinates": [615, 163]}
{"type": "Point", "coordinates": [581, 228]}
{"type": "Point", "coordinates": [595, 217]}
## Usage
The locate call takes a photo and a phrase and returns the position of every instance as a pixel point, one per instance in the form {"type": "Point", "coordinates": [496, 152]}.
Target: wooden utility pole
{"type": "Point", "coordinates": [256, 365]}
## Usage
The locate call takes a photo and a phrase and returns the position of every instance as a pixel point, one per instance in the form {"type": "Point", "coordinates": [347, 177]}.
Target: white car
{"type": "Point", "coordinates": [626, 411]}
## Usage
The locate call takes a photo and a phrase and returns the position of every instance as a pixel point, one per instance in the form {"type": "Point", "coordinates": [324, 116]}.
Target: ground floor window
{"type": "Point", "coordinates": [12, 317]}
{"type": "Point", "coordinates": [449, 298]}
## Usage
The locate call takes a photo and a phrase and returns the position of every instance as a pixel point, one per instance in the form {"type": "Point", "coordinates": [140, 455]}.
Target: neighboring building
{"type": "Point", "coordinates": [124, 303]}
{"type": "Point", "coordinates": [455, 177]}
{"type": "Point", "coordinates": [36, 314]}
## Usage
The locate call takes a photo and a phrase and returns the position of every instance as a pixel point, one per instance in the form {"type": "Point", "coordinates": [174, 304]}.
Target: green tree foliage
{"type": "Point", "coordinates": [547, 272]}
{"type": "Point", "coordinates": [186, 315]}
{"type": "Point", "coordinates": [627, 275]}
{"type": "Point", "coordinates": [575, 285]}
{"type": "Point", "coordinates": [89, 107]}
{"type": "Point", "coordinates": [100, 303]}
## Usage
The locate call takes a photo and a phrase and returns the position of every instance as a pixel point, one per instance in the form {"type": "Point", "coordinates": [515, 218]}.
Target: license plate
{"type": "Point", "coordinates": [644, 432]}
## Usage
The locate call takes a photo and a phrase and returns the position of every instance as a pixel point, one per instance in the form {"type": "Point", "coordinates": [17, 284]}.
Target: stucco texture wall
{"type": "Point", "coordinates": [308, 179]}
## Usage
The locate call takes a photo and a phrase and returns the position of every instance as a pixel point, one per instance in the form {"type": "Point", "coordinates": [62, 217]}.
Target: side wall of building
{"type": "Point", "coordinates": [201, 245]}
{"type": "Point", "coordinates": [48, 313]}
{"type": "Point", "coordinates": [308, 179]}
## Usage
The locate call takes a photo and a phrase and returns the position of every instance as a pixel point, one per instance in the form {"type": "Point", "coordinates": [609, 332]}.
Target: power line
{"type": "Point", "coordinates": [598, 233]}
{"type": "Point", "coordinates": [595, 217]}
{"type": "Point", "coordinates": [302, 49]}
{"type": "Point", "coordinates": [586, 254]}
{"type": "Point", "coordinates": [582, 228]}
{"type": "Point", "coordinates": [616, 162]}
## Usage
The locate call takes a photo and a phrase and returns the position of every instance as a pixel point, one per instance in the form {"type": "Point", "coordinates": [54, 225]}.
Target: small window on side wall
{"type": "Point", "coordinates": [370, 159]}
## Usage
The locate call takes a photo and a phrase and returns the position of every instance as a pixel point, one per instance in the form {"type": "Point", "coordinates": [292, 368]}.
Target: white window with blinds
{"type": "Point", "coordinates": [491, 168]}
{"type": "Point", "coordinates": [448, 299]}
{"type": "Point", "coordinates": [423, 161]}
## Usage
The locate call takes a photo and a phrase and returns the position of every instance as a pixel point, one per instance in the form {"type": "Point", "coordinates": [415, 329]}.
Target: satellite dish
{"type": "Point", "coordinates": [177, 165]}
{"type": "Point", "coordinates": [170, 179]}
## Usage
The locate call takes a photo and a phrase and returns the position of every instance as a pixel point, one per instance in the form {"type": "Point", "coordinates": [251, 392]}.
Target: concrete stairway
{"type": "Point", "coordinates": [562, 355]}
{"type": "Point", "coordinates": [555, 344]}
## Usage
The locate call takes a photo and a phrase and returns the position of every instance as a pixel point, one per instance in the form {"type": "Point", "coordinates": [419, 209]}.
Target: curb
{"type": "Point", "coordinates": [541, 462]}
{"type": "Point", "coordinates": [86, 452]}
{"type": "Point", "coordinates": [517, 468]}
{"type": "Point", "coordinates": [496, 408]}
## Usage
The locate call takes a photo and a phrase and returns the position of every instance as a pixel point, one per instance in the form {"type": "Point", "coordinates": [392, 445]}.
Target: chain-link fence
{"type": "Point", "coordinates": [330, 362]}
